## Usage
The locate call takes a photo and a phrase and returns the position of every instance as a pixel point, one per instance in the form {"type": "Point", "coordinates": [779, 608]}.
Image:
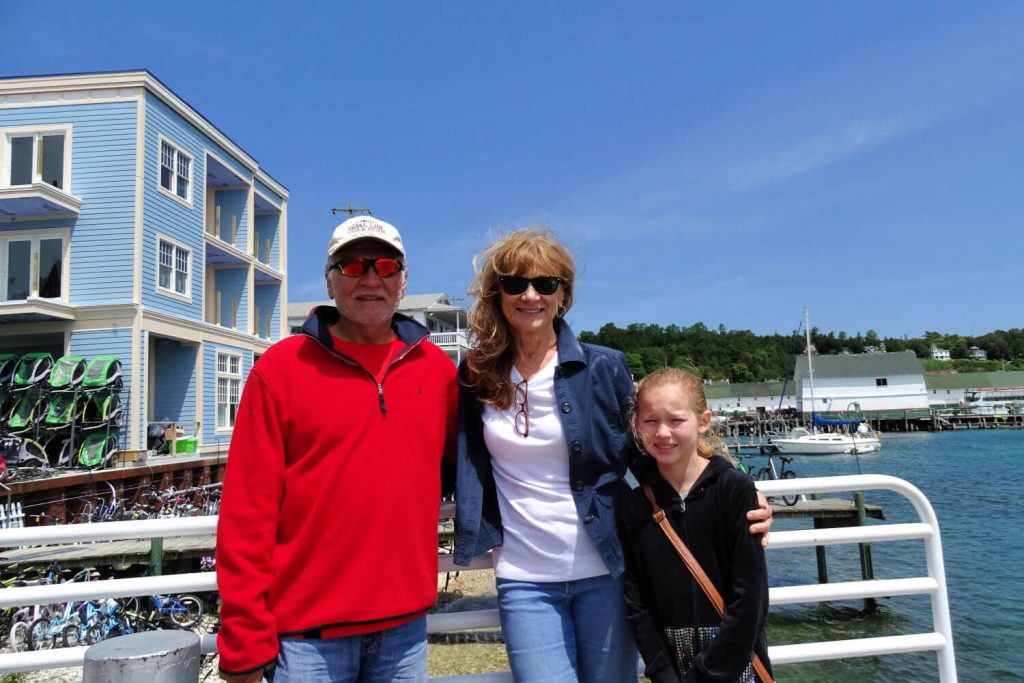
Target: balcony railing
{"type": "Point", "coordinates": [444, 339]}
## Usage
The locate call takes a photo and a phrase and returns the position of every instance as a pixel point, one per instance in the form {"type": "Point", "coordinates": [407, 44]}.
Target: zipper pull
{"type": "Point", "coordinates": [380, 398]}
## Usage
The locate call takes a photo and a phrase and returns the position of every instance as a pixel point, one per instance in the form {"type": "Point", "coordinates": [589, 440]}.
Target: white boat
{"type": "Point", "coordinates": [996, 402]}
{"type": "Point", "coordinates": [837, 436]}
{"type": "Point", "coordinates": [803, 441]}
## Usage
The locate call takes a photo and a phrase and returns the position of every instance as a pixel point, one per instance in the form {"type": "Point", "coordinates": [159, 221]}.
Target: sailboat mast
{"type": "Point", "coordinates": [810, 362]}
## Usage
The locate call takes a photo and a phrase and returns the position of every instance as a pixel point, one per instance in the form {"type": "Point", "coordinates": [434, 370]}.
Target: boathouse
{"type": "Point", "coordinates": [130, 225]}
{"type": "Point", "coordinates": [874, 384]}
{"type": "Point", "coordinates": [726, 398]}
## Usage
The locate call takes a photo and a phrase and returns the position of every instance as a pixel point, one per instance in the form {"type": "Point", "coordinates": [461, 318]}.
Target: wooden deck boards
{"type": "Point", "coordinates": [115, 553]}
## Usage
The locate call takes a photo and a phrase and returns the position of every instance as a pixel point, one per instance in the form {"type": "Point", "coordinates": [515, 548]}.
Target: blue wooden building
{"type": "Point", "coordinates": [131, 226]}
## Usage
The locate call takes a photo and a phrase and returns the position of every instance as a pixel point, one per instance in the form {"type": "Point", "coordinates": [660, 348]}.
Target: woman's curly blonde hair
{"type": "Point", "coordinates": [528, 251]}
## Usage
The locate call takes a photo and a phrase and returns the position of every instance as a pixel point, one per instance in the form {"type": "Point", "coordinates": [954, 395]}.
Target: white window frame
{"type": "Point", "coordinates": [37, 131]}
{"type": "Point", "coordinates": [230, 371]}
{"type": "Point", "coordinates": [177, 248]}
{"type": "Point", "coordinates": [35, 237]}
{"type": "Point", "coordinates": [179, 153]}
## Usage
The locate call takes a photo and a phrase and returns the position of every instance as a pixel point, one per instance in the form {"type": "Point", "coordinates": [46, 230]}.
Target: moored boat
{"type": "Point", "coordinates": [803, 441]}
{"type": "Point", "coordinates": [838, 436]}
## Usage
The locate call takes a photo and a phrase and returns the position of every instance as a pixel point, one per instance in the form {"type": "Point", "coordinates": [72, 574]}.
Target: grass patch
{"type": "Point", "coordinates": [469, 658]}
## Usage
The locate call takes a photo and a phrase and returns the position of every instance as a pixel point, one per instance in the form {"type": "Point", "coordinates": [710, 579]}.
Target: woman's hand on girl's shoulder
{"type": "Point", "coordinates": [761, 519]}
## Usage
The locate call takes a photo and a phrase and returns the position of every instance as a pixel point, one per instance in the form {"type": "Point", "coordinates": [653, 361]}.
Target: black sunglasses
{"type": "Point", "coordinates": [542, 284]}
{"type": "Point", "coordinates": [357, 267]}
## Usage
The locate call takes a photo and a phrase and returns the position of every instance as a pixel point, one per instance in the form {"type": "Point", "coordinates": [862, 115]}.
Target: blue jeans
{"type": "Point", "coordinates": [567, 631]}
{"type": "Point", "coordinates": [397, 654]}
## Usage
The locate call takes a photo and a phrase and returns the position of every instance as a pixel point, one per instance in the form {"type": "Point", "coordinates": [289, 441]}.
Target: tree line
{"type": "Point", "coordinates": [742, 356]}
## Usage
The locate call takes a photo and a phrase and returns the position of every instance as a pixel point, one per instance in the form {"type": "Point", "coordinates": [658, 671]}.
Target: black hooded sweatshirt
{"type": "Point", "coordinates": [664, 602]}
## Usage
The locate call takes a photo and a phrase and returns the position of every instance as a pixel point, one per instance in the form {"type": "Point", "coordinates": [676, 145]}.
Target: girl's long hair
{"type": "Point", "coordinates": [709, 443]}
{"type": "Point", "coordinates": [528, 251]}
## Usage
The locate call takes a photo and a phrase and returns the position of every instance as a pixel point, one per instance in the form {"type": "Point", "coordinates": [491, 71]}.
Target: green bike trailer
{"type": "Point", "coordinates": [68, 373]}
{"type": "Point", "coordinates": [101, 409]}
{"type": "Point", "coordinates": [26, 414]}
{"type": "Point", "coordinates": [102, 372]}
{"type": "Point", "coordinates": [32, 370]}
{"type": "Point", "coordinates": [61, 410]}
{"type": "Point", "coordinates": [99, 449]}
{"type": "Point", "coordinates": [8, 364]}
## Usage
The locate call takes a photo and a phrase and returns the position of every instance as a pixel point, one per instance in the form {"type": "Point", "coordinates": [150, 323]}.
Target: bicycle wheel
{"type": "Point", "coordinates": [39, 636]}
{"type": "Point", "coordinates": [790, 500]}
{"type": "Point", "coordinates": [186, 611]}
{"type": "Point", "coordinates": [93, 634]}
{"type": "Point", "coordinates": [18, 638]}
{"type": "Point", "coordinates": [71, 636]}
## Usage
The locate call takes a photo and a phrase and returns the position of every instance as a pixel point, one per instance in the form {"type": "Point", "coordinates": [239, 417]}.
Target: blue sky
{"type": "Point", "coordinates": [705, 163]}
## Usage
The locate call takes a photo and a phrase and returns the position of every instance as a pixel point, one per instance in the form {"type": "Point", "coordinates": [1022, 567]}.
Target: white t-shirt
{"type": "Point", "coordinates": [544, 539]}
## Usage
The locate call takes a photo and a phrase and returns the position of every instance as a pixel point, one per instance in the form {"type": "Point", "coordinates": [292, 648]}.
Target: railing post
{"type": "Point", "coordinates": [150, 657]}
{"type": "Point", "coordinates": [156, 556]}
{"type": "Point", "coordinates": [819, 550]}
{"type": "Point", "coordinates": [867, 568]}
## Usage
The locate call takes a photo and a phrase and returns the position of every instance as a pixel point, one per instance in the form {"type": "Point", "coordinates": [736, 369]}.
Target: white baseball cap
{"type": "Point", "coordinates": [364, 227]}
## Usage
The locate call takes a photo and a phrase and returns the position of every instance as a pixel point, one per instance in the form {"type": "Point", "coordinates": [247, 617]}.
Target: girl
{"type": "Point", "coordinates": [679, 632]}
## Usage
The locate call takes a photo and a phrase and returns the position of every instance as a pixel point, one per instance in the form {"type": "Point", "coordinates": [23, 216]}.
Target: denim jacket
{"type": "Point", "coordinates": [593, 391]}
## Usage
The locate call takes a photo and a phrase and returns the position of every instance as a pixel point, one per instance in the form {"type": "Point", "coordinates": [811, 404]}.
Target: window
{"type": "Point", "coordinates": [882, 382]}
{"type": "Point", "coordinates": [229, 388]}
{"type": "Point", "coordinates": [36, 157]}
{"type": "Point", "coordinates": [175, 171]}
{"type": "Point", "coordinates": [173, 268]}
{"type": "Point", "coordinates": [33, 265]}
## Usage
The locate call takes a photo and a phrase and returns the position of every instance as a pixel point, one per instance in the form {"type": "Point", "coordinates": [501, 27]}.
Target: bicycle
{"type": "Point", "coordinates": [182, 611]}
{"type": "Point", "coordinates": [768, 472]}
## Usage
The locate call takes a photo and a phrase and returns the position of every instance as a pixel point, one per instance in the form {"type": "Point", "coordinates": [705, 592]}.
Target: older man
{"type": "Point", "coordinates": [326, 546]}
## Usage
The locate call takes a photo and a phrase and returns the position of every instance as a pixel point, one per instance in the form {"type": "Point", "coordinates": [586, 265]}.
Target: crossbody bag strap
{"type": "Point", "coordinates": [698, 573]}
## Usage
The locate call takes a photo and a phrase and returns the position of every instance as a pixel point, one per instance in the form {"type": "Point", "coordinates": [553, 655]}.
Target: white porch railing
{"type": "Point", "coordinates": [443, 339]}
{"type": "Point", "coordinates": [939, 640]}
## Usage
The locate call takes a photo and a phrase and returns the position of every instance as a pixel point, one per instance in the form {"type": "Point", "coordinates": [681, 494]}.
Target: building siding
{"type": "Point", "coordinates": [163, 215]}
{"type": "Point", "coordinates": [266, 227]}
{"type": "Point", "coordinates": [210, 433]}
{"type": "Point", "coordinates": [267, 299]}
{"type": "Point", "coordinates": [272, 196]}
{"type": "Point", "coordinates": [175, 371]}
{"type": "Point", "coordinates": [101, 253]}
{"type": "Point", "coordinates": [233, 204]}
{"type": "Point", "coordinates": [113, 342]}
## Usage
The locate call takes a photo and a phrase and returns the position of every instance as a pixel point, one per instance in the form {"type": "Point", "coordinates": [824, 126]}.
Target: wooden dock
{"type": "Point", "coordinates": [831, 511]}
{"type": "Point", "coordinates": [116, 554]}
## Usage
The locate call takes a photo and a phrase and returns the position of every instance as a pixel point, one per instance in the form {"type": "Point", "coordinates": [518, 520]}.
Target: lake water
{"type": "Point", "coordinates": [973, 480]}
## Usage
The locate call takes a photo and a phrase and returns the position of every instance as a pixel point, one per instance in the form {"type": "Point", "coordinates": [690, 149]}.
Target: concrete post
{"type": "Point", "coordinates": [150, 657]}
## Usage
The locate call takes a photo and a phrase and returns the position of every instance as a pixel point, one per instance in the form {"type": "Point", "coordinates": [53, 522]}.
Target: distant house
{"type": "Point", "coordinates": [977, 354]}
{"type": "Point", "coordinates": [862, 382]}
{"type": "Point", "coordinates": [939, 354]}
{"type": "Point", "coordinates": [133, 227]}
{"type": "Point", "coordinates": [446, 322]}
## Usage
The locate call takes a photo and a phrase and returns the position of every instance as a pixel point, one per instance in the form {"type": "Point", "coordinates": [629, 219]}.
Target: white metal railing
{"type": "Point", "coordinates": [940, 640]}
{"type": "Point", "coordinates": [449, 338]}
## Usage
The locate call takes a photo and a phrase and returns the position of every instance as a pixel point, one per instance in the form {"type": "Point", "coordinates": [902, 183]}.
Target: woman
{"type": "Point", "coordinates": [542, 455]}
